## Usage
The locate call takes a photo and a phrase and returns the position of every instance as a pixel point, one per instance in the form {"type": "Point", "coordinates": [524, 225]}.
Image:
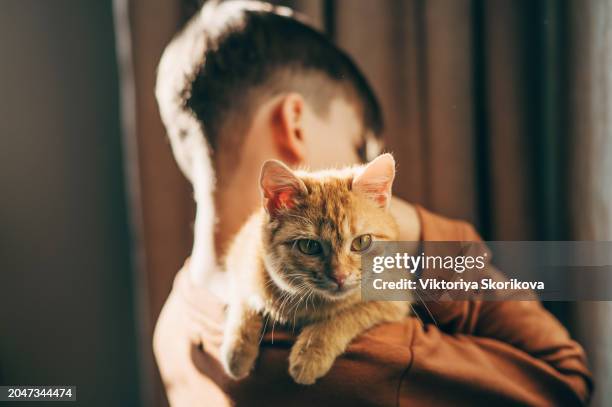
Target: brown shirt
{"type": "Point", "coordinates": [508, 353]}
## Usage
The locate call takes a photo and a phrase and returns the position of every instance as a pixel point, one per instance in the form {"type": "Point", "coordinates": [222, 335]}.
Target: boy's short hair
{"type": "Point", "coordinates": [232, 56]}
{"type": "Point", "coordinates": [254, 51]}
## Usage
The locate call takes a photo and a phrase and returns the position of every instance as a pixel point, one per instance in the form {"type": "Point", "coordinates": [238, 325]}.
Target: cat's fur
{"type": "Point", "coordinates": [271, 278]}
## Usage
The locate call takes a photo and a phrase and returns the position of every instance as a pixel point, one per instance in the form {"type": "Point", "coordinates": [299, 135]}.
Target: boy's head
{"type": "Point", "coordinates": [266, 86]}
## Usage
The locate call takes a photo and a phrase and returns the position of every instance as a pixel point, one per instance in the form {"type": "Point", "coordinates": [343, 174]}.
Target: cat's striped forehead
{"type": "Point", "coordinates": [327, 212]}
{"type": "Point", "coordinates": [329, 204]}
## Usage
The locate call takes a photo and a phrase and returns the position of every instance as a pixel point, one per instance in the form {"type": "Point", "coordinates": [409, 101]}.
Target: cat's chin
{"type": "Point", "coordinates": [337, 294]}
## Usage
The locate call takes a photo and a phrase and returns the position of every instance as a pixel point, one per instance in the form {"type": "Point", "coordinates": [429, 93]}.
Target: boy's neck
{"type": "Point", "coordinates": [234, 203]}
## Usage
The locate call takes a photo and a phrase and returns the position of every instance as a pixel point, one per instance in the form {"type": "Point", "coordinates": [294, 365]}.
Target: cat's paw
{"type": "Point", "coordinates": [308, 362]}
{"type": "Point", "coordinates": [238, 359]}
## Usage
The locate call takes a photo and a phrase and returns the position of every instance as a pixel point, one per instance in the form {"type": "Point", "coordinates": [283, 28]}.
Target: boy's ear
{"type": "Point", "coordinates": [279, 186]}
{"type": "Point", "coordinates": [289, 130]}
{"type": "Point", "coordinates": [376, 179]}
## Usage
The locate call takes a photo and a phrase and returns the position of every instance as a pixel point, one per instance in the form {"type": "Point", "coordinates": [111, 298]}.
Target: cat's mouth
{"type": "Point", "coordinates": [332, 290]}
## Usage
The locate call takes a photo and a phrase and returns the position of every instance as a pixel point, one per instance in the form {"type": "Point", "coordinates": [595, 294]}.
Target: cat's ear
{"type": "Point", "coordinates": [280, 187]}
{"type": "Point", "coordinates": [375, 180]}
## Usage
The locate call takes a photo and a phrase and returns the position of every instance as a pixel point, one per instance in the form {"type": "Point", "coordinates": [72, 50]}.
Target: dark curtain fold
{"type": "Point", "coordinates": [590, 152]}
{"type": "Point", "coordinates": [160, 199]}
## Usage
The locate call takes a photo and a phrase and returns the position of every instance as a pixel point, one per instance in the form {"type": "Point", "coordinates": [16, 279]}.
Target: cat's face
{"type": "Point", "coordinates": [319, 224]}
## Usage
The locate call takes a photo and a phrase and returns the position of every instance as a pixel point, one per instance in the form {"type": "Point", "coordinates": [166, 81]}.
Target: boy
{"type": "Point", "coordinates": [245, 82]}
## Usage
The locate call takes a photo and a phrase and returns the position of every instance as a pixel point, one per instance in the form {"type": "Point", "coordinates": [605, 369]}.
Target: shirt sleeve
{"type": "Point", "coordinates": [524, 326]}
{"type": "Point", "coordinates": [468, 370]}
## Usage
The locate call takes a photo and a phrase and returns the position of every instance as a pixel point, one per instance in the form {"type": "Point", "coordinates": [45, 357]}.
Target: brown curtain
{"type": "Point", "coordinates": [460, 86]}
{"type": "Point", "coordinates": [162, 209]}
{"type": "Point", "coordinates": [591, 130]}
{"type": "Point", "coordinates": [482, 101]}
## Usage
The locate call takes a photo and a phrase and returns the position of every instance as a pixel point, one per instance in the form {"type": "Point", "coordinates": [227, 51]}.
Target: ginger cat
{"type": "Point", "coordinates": [298, 260]}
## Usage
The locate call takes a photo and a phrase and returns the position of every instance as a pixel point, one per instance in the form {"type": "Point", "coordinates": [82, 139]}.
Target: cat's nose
{"type": "Point", "coordinates": [339, 278]}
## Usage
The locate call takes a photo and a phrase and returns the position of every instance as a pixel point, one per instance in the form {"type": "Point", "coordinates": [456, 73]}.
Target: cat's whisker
{"type": "Point", "coordinates": [306, 300]}
{"type": "Point", "coordinates": [417, 315]}
{"type": "Point", "coordinates": [426, 307]}
{"type": "Point", "coordinates": [287, 297]}
{"type": "Point", "coordinates": [311, 297]}
{"type": "Point", "coordinates": [296, 307]}
{"type": "Point", "coordinates": [272, 335]}
{"type": "Point", "coordinates": [263, 331]}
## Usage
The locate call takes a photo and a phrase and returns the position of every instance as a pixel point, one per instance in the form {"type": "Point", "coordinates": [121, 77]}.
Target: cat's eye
{"type": "Point", "coordinates": [309, 246]}
{"type": "Point", "coordinates": [361, 243]}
